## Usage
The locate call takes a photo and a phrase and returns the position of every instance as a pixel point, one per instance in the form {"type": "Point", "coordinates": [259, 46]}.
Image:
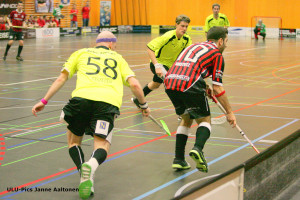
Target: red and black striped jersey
{"type": "Point", "coordinates": [17, 19]}
{"type": "Point", "coordinates": [195, 63]}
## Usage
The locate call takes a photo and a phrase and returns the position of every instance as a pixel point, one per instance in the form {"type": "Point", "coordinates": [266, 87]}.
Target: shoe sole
{"type": "Point", "coordinates": [179, 167]}
{"type": "Point", "coordinates": [200, 161]}
{"type": "Point", "coordinates": [85, 187]}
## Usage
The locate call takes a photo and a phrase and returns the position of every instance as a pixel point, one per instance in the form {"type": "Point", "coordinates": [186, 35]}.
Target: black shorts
{"type": "Point", "coordinates": [15, 35]}
{"type": "Point", "coordinates": [196, 105]}
{"type": "Point", "coordinates": [90, 117]}
{"type": "Point", "coordinates": [155, 77]}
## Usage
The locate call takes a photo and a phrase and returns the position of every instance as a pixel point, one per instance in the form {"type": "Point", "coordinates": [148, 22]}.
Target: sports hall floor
{"type": "Point", "coordinates": [262, 80]}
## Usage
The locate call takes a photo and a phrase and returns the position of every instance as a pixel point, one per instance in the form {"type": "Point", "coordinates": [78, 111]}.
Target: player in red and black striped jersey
{"type": "Point", "coordinates": [16, 18]}
{"type": "Point", "coordinates": [186, 88]}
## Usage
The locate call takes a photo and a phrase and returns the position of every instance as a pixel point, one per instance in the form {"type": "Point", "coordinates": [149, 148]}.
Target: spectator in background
{"type": "Point", "coordinates": [52, 24]}
{"type": "Point", "coordinates": [216, 19]}
{"type": "Point", "coordinates": [56, 21]}
{"type": "Point", "coordinates": [86, 14]}
{"type": "Point", "coordinates": [3, 25]}
{"type": "Point", "coordinates": [29, 20]}
{"type": "Point", "coordinates": [41, 22]}
{"type": "Point", "coordinates": [260, 29]}
{"type": "Point", "coordinates": [74, 13]}
{"type": "Point", "coordinates": [57, 12]}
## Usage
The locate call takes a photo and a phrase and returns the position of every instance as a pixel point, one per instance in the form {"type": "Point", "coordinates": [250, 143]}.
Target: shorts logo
{"type": "Point", "coordinates": [102, 125]}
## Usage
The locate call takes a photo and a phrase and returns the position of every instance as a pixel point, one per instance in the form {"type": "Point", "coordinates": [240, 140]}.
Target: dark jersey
{"type": "Point", "coordinates": [195, 63]}
{"type": "Point", "coordinates": [17, 19]}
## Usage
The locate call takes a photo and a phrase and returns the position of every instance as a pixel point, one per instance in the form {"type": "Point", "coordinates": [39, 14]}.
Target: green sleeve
{"type": "Point", "coordinates": [61, 6]}
{"type": "Point", "coordinates": [206, 26]}
{"type": "Point", "coordinates": [227, 23]}
{"type": "Point", "coordinates": [158, 42]}
{"type": "Point", "coordinates": [71, 64]}
{"type": "Point", "coordinates": [126, 71]}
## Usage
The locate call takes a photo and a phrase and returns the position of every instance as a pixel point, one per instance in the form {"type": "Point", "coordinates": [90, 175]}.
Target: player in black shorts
{"type": "Point", "coordinates": [186, 88]}
{"type": "Point", "coordinates": [16, 18]}
{"type": "Point", "coordinates": [95, 102]}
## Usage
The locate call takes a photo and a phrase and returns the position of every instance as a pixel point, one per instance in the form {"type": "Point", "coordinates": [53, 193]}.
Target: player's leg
{"type": "Point", "coordinates": [181, 140]}
{"type": "Point", "coordinates": [183, 129]}
{"type": "Point", "coordinates": [153, 85]}
{"type": "Point", "coordinates": [100, 126]}
{"type": "Point", "coordinates": [75, 151]}
{"type": "Point", "coordinates": [10, 42]}
{"type": "Point", "coordinates": [255, 33]}
{"type": "Point", "coordinates": [263, 35]}
{"type": "Point", "coordinates": [200, 111]}
{"type": "Point", "coordinates": [20, 48]}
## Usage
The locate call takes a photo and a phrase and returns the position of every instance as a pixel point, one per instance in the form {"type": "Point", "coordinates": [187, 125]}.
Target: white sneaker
{"type": "Point", "coordinates": [86, 186]}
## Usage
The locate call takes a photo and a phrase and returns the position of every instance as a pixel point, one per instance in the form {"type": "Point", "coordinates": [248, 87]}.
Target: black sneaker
{"type": "Point", "coordinates": [136, 102]}
{"type": "Point", "coordinates": [199, 158]}
{"type": "Point", "coordinates": [19, 58]}
{"type": "Point", "coordinates": [180, 164]}
{"type": "Point", "coordinates": [4, 57]}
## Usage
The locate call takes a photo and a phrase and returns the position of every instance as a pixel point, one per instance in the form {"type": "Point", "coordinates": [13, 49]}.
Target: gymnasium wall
{"type": "Point", "coordinates": [66, 22]}
{"type": "Point", "coordinates": [164, 12]}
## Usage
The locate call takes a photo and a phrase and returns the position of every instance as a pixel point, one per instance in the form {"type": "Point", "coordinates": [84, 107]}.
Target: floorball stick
{"type": "Point", "coordinates": [237, 126]}
{"type": "Point", "coordinates": [163, 125]}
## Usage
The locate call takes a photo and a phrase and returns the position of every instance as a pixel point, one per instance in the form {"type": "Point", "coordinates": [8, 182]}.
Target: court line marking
{"type": "Point", "coordinates": [130, 66]}
{"type": "Point", "coordinates": [59, 173]}
{"type": "Point", "coordinates": [180, 190]}
{"type": "Point", "coordinates": [209, 163]}
{"type": "Point", "coordinates": [173, 132]}
{"type": "Point", "coordinates": [44, 79]}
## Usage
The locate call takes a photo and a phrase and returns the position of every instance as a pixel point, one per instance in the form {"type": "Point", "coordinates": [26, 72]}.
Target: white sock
{"type": "Point", "coordinates": [93, 163]}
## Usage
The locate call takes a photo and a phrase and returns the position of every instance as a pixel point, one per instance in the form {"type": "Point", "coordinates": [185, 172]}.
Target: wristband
{"type": "Point", "coordinates": [44, 101]}
{"type": "Point", "coordinates": [158, 65]}
{"type": "Point", "coordinates": [144, 106]}
{"type": "Point", "coordinates": [220, 94]}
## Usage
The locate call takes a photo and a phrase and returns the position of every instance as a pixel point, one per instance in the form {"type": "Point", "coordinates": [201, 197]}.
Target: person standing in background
{"type": "Point", "coordinates": [216, 19]}
{"type": "Point", "coordinates": [86, 14]}
{"type": "Point", "coordinates": [16, 18]}
{"type": "Point", "coordinates": [74, 13]}
{"type": "Point", "coordinates": [57, 12]}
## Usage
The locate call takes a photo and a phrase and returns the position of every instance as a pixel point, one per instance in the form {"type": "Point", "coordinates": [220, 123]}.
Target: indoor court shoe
{"type": "Point", "coordinates": [19, 58]}
{"type": "Point", "coordinates": [199, 158]}
{"type": "Point", "coordinates": [4, 57]}
{"type": "Point", "coordinates": [86, 188]}
{"type": "Point", "coordinates": [180, 164]}
{"type": "Point", "coordinates": [136, 102]}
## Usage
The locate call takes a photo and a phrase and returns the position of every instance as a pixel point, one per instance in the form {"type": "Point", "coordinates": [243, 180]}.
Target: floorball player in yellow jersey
{"type": "Point", "coordinates": [164, 50]}
{"type": "Point", "coordinates": [95, 103]}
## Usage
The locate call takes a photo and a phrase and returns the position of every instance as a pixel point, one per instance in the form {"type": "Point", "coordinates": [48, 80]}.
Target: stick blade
{"type": "Point", "coordinates": [165, 127]}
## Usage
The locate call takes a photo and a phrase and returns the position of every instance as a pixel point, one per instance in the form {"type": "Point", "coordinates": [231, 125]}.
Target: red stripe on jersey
{"type": "Point", "coordinates": [198, 60]}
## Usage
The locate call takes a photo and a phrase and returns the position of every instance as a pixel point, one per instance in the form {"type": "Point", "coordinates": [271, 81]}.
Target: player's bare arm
{"type": "Point", "coordinates": [219, 92]}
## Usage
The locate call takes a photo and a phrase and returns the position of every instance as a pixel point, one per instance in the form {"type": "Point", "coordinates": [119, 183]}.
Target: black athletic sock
{"type": "Point", "coordinates": [77, 156]}
{"type": "Point", "coordinates": [146, 90]}
{"type": "Point", "coordinates": [202, 135]}
{"type": "Point", "coordinates": [6, 50]}
{"type": "Point", "coordinates": [100, 155]}
{"type": "Point", "coordinates": [180, 145]}
{"type": "Point", "coordinates": [20, 50]}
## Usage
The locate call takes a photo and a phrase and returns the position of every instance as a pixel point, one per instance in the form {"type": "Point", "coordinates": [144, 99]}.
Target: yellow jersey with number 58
{"type": "Point", "coordinates": [101, 74]}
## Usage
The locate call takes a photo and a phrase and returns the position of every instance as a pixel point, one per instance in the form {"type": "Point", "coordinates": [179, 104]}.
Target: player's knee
{"type": "Point", "coordinates": [206, 125]}
{"type": "Point", "coordinates": [183, 130]}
